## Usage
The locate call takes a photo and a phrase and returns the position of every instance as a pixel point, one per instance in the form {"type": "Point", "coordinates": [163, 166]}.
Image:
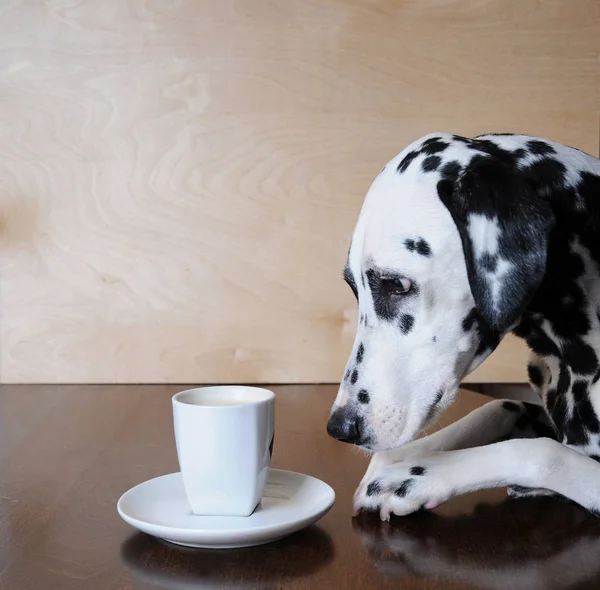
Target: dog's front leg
{"type": "Point", "coordinates": [489, 423]}
{"type": "Point", "coordinates": [408, 486]}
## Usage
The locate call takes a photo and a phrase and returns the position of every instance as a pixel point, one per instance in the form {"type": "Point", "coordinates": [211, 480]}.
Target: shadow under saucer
{"type": "Point", "coordinates": [160, 563]}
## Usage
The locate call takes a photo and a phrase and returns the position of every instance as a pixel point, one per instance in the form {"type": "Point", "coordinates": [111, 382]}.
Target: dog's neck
{"type": "Point", "coordinates": [562, 322]}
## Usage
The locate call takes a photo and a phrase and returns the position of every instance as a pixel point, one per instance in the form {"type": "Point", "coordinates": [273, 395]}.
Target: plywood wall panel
{"type": "Point", "coordinates": [180, 181]}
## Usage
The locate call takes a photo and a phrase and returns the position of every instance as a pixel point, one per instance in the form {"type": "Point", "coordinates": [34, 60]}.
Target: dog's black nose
{"type": "Point", "coordinates": [344, 425]}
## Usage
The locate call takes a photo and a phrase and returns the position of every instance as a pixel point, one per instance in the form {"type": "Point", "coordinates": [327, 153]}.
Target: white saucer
{"type": "Point", "coordinates": [291, 501]}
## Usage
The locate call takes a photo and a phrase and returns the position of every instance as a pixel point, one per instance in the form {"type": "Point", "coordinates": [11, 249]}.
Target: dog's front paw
{"type": "Point", "coordinates": [401, 489]}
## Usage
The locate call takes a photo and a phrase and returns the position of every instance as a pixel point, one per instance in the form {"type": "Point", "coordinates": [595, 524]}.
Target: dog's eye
{"type": "Point", "coordinates": [396, 286]}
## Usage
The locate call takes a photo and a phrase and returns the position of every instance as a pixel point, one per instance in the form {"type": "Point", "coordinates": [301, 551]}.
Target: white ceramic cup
{"type": "Point", "coordinates": [224, 438]}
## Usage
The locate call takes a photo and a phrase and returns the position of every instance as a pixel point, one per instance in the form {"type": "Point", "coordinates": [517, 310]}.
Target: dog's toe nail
{"type": "Point", "coordinates": [384, 514]}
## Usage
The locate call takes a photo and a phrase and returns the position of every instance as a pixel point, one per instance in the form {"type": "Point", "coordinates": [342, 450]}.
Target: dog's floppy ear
{"type": "Point", "coordinates": [504, 226]}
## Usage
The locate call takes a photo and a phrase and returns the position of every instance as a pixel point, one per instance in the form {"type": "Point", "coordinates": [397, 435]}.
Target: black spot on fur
{"type": "Point", "coordinates": [580, 390]}
{"type": "Point", "coordinates": [417, 470]}
{"type": "Point", "coordinates": [573, 321]}
{"type": "Point", "coordinates": [539, 421]}
{"type": "Point", "coordinates": [360, 353]}
{"type": "Point", "coordinates": [523, 422]}
{"type": "Point", "coordinates": [431, 163]}
{"type": "Point", "coordinates": [536, 338]}
{"type": "Point", "coordinates": [419, 246]}
{"type": "Point", "coordinates": [445, 190]}
{"type": "Point", "coordinates": [489, 339]}
{"type": "Point", "coordinates": [511, 406]}
{"type": "Point", "coordinates": [406, 323]}
{"type": "Point", "coordinates": [363, 396]}
{"type": "Point", "coordinates": [595, 458]}
{"type": "Point", "coordinates": [347, 375]}
{"type": "Point", "coordinates": [405, 163]}
{"type": "Point", "coordinates": [560, 298]}
{"type": "Point", "coordinates": [489, 147]}
{"type": "Point", "coordinates": [423, 248]}
{"type": "Point", "coordinates": [535, 375]}
{"type": "Point", "coordinates": [434, 339]}
{"type": "Point", "coordinates": [354, 377]}
{"type": "Point", "coordinates": [540, 148]}
{"type": "Point", "coordinates": [557, 403]}
{"type": "Point", "coordinates": [533, 410]}
{"type": "Point", "coordinates": [542, 345]}
{"type": "Point", "coordinates": [436, 401]}
{"type": "Point", "coordinates": [575, 432]}
{"type": "Point", "coordinates": [489, 262]}
{"type": "Point", "coordinates": [373, 488]}
{"type": "Point", "coordinates": [596, 376]}
{"type": "Point", "coordinates": [404, 488]}
{"type": "Point", "coordinates": [450, 170]}
{"type": "Point", "coordinates": [588, 189]}
{"type": "Point", "coordinates": [349, 278]}
{"type": "Point", "coordinates": [536, 422]}
{"type": "Point", "coordinates": [483, 349]}
{"type": "Point", "coordinates": [433, 145]}
{"type": "Point", "coordinates": [564, 380]}
{"type": "Point", "coordinates": [584, 411]}
{"type": "Point", "coordinates": [580, 356]}
{"type": "Point", "coordinates": [547, 174]}
{"type": "Point", "coordinates": [559, 412]}
{"type": "Point", "coordinates": [469, 320]}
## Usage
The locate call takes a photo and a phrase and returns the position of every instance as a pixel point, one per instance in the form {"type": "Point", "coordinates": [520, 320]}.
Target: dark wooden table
{"type": "Point", "coordinates": [68, 453]}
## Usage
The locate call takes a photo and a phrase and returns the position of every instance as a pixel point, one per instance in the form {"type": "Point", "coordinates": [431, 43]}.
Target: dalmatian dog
{"type": "Point", "coordinates": [459, 242]}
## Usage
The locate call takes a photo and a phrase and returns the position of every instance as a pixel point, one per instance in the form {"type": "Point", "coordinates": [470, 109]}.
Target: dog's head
{"type": "Point", "coordinates": [449, 248]}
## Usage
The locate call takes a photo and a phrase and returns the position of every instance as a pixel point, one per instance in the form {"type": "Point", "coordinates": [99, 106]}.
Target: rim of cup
{"type": "Point", "coordinates": [200, 397]}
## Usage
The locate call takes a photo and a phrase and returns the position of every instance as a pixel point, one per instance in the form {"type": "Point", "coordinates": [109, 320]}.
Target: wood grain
{"type": "Point", "coordinates": [180, 181]}
{"type": "Point", "coordinates": [68, 453]}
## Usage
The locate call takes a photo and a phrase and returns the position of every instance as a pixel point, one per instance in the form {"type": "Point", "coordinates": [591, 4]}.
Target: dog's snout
{"type": "Point", "coordinates": [345, 425]}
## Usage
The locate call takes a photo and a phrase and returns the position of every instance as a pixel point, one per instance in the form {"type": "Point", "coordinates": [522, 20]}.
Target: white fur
{"type": "Point", "coordinates": [485, 233]}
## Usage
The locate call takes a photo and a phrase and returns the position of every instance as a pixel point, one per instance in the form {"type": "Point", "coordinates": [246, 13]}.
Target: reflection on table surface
{"type": "Point", "coordinates": [525, 544]}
